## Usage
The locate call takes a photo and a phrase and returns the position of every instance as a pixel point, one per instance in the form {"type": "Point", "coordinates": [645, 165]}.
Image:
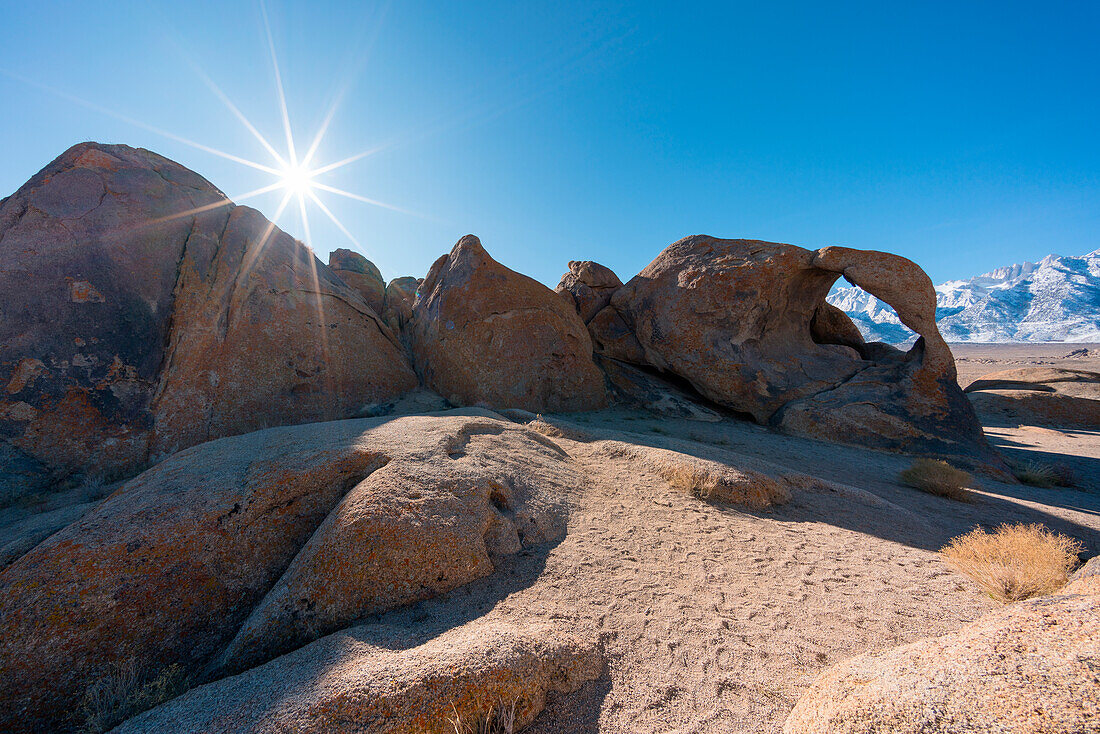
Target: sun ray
{"type": "Point", "coordinates": [279, 87]}
{"type": "Point", "coordinates": [350, 159]}
{"type": "Point", "coordinates": [339, 225]}
{"type": "Point", "coordinates": [322, 130]}
{"type": "Point", "coordinates": [238, 114]}
{"type": "Point", "coordinates": [137, 123]}
{"type": "Point", "coordinates": [254, 253]}
{"type": "Point", "coordinates": [364, 199]}
{"type": "Point", "coordinates": [228, 201]}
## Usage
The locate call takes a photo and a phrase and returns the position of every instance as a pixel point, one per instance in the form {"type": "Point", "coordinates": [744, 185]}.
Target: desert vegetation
{"type": "Point", "coordinates": [1014, 562]}
{"type": "Point", "coordinates": [711, 485]}
{"type": "Point", "coordinates": [126, 692]}
{"type": "Point", "coordinates": [938, 478]}
{"type": "Point", "coordinates": [1038, 474]}
{"type": "Point", "coordinates": [499, 719]}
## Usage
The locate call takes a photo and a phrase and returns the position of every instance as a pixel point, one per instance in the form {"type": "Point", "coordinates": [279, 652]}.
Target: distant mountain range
{"type": "Point", "coordinates": [1054, 300]}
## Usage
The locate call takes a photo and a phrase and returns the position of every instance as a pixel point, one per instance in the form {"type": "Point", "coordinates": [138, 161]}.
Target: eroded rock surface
{"type": "Point", "coordinates": [344, 682]}
{"type": "Point", "coordinates": [291, 532]}
{"type": "Point", "coordinates": [1029, 667]}
{"type": "Point", "coordinates": [361, 274]}
{"type": "Point", "coordinates": [482, 333]}
{"type": "Point", "coordinates": [162, 315]}
{"type": "Point", "coordinates": [745, 322]}
{"type": "Point", "coordinates": [588, 287]}
{"type": "Point", "coordinates": [400, 297]}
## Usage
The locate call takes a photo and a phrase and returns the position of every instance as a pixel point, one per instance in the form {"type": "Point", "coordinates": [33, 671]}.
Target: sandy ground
{"type": "Point", "coordinates": [715, 619]}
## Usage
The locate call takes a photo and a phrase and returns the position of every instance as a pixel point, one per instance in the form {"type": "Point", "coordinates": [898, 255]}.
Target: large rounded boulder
{"type": "Point", "coordinates": [361, 274]}
{"type": "Point", "coordinates": [234, 552]}
{"type": "Point", "coordinates": [161, 316]}
{"type": "Point", "coordinates": [482, 333]}
{"type": "Point", "coordinates": [1029, 667]}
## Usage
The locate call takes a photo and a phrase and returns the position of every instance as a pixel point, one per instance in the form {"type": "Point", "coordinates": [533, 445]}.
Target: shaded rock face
{"type": "Point", "coordinates": [361, 274]}
{"type": "Point", "coordinates": [745, 322]}
{"type": "Point", "coordinates": [1038, 396]}
{"type": "Point", "coordinates": [161, 316]}
{"type": "Point", "coordinates": [588, 287]}
{"type": "Point", "coordinates": [238, 550]}
{"type": "Point", "coordinates": [400, 297]}
{"type": "Point", "coordinates": [344, 682]}
{"type": "Point", "coordinates": [482, 333]}
{"type": "Point", "coordinates": [983, 678]}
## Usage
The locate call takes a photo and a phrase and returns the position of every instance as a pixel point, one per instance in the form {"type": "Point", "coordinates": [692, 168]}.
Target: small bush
{"type": "Point", "coordinates": [938, 478]}
{"type": "Point", "coordinates": [541, 425]}
{"type": "Point", "coordinates": [497, 720]}
{"type": "Point", "coordinates": [730, 486]}
{"type": "Point", "coordinates": [125, 693]}
{"type": "Point", "coordinates": [92, 489]}
{"type": "Point", "coordinates": [1038, 474]}
{"type": "Point", "coordinates": [1014, 562]}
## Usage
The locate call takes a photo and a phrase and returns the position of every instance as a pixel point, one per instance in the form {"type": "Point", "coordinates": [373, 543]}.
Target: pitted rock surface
{"type": "Point", "coordinates": [265, 541]}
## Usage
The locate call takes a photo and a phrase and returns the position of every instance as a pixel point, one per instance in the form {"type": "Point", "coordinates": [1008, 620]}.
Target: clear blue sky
{"type": "Point", "coordinates": [962, 135]}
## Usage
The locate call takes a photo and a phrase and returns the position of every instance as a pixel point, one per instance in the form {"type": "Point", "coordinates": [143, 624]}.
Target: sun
{"type": "Point", "coordinates": [297, 180]}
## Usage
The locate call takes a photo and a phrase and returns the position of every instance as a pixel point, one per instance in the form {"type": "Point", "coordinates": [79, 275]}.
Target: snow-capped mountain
{"type": "Point", "coordinates": [1056, 299]}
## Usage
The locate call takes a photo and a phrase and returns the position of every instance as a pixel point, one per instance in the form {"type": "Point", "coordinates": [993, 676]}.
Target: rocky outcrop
{"type": "Point", "coordinates": [162, 315]}
{"type": "Point", "coordinates": [1029, 667]}
{"type": "Point", "coordinates": [588, 287]}
{"type": "Point", "coordinates": [398, 307]}
{"type": "Point", "coordinates": [345, 682]}
{"type": "Point", "coordinates": [361, 274]}
{"type": "Point", "coordinates": [1042, 396]}
{"type": "Point", "coordinates": [230, 553]}
{"type": "Point", "coordinates": [482, 333]}
{"type": "Point", "coordinates": [746, 324]}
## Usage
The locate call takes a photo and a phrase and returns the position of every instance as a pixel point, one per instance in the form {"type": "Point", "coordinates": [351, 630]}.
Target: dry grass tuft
{"type": "Point", "coordinates": [1014, 562]}
{"type": "Point", "coordinates": [125, 693]}
{"type": "Point", "coordinates": [1038, 474]}
{"type": "Point", "coordinates": [541, 425]}
{"type": "Point", "coordinates": [938, 478]}
{"type": "Point", "coordinates": [499, 719]}
{"type": "Point", "coordinates": [755, 491]}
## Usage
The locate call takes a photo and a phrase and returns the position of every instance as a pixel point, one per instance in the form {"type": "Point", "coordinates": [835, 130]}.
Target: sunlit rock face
{"type": "Point", "coordinates": [361, 274]}
{"type": "Point", "coordinates": [746, 323]}
{"type": "Point", "coordinates": [239, 550]}
{"type": "Point", "coordinates": [140, 313]}
{"type": "Point", "coordinates": [482, 333]}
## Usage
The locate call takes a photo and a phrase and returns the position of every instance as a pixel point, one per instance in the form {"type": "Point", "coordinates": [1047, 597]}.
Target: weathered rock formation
{"type": "Point", "coordinates": [400, 297]}
{"type": "Point", "coordinates": [588, 287]}
{"type": "Point", "coordinates": [745, 322]}
{"type": "Point", "coordinates": [161, 315]}
{"type": "Point", "coordinates": [482, 333]}
{"type": "Point", "coordinates": [345, 682]}
{"type": "Point", "coordinates": [1042, 396]}
{"type": "Point", "coordinates": [1029, 667]}
{"type": "Point", "coordinates": [231, 553]}
{"type": "Point", "coordinates": [361, 274]}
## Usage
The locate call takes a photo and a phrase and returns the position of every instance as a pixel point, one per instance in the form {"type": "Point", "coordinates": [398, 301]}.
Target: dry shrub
{"type": "Point", "coordinates": [1014, 562]}
{"type": "Point", "coordinates": [500, 719]}
{"type": "Point", "coordinates": [1038, 474]}
{"type": "Point", "coordinates": [756, 491]}
{"type": "Point", "coordinates": [541, 425]}
{"type": "Point", "coordinates": [125, 693]}
{"type": "Point", "coordinates": [938, 478]}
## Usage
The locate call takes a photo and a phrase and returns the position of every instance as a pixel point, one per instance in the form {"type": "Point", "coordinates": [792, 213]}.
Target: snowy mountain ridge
{"type": "Point", "coordinates": [1054, 300]}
